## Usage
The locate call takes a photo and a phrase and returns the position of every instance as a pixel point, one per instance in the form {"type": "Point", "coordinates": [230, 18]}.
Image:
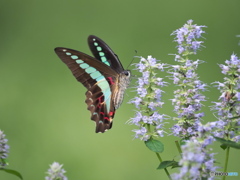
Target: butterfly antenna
{"type": "Point", "coordinates": [132, 59]}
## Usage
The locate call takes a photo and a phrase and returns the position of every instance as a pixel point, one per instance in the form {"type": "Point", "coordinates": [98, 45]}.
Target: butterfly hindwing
{"type": "Point", "coordinates": [94, 75]}
{"type": "Point", "coordinates": [98, 109]}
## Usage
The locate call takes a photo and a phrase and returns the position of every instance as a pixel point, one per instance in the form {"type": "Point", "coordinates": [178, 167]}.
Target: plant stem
{"type": "Point", "coordinates": [179, 148]}
{"type": "Point", "coordinates": [165, 169]}
{"type": "Point", "coordinates": [226, 162]}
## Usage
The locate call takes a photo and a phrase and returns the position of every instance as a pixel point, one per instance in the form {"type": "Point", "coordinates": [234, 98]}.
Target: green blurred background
{"type": "Point", "coordinates": [42, 105]}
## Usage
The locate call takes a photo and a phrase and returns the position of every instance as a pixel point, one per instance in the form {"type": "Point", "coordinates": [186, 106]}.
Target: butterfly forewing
{"type": "Point", "coordinates": [79, 63]}
{"type": "Point", "coordinates": [104, 53]}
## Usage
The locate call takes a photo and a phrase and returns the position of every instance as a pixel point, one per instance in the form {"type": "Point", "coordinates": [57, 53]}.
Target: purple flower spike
{"type": "Point", "coordinates": [148, 99]}
{"type": "Point", "coordinates": [188, 97]}
{"type": "Point", "coordinates": [194, 158]}
{"type": "Point", "coordinates": [186, 38]}
{"type": "Point", "coordinates": [56, 172]}
{"type": "Point", "coordinates": [4, 149]}
{"type": "Point", "coordinates": [228, 108]}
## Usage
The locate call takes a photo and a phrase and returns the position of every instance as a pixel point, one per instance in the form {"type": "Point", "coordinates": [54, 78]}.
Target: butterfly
{"type": "Point", "coordinates": [103, 76]}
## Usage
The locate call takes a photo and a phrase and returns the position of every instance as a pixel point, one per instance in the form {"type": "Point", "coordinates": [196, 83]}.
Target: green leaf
{"type": "Point", "coordinates": [223, 146]}
{"type": "Point", "coordinates": [154, 145]}
{"type": "Point", "coordinates": [228, 143]}
{"type": "Point", "coordinates": [10, 171]}
{"type": "Point", "coordinates": [166, 164]}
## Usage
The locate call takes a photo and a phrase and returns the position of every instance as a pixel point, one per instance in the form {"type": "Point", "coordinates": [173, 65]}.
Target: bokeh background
{"type": "Point", "coordinates": [42, 109]}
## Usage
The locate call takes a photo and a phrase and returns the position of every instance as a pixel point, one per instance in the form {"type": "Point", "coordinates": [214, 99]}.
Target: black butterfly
{"type": "Point", "coordinates": [103, 76]}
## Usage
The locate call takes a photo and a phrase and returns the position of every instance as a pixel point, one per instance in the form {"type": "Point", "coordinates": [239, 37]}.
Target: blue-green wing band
{"type": "Point", "coordinates": [104, 53]}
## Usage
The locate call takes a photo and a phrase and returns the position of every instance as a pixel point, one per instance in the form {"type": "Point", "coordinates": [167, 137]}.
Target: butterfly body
{"type": "Point", "coordinates": [103, 76]}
